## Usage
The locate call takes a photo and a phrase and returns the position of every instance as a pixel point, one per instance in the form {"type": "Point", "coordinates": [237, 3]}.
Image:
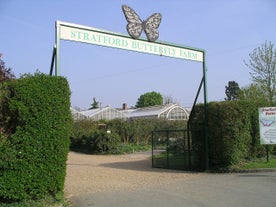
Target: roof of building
{"type": "Point", "coordinates": [157, 111]}
{"type": "Point", "coordinates": [92, 112]}
{"type": "Point", "coordinates": [153, 110]}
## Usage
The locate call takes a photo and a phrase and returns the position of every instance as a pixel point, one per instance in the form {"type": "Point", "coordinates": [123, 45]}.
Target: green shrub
{"type": "Point", "coordinates": [233, 132]}
{"type": "Point", "coordinates": [138, 131]}
{"type": "Point", "coordinates": [125, 136]}
{"type": "Point", "coordinates": [33, 158]}
{"type": "Point", "coordinates": [96, 142]}
{"type": "Point", "coordinates": [229, 134]}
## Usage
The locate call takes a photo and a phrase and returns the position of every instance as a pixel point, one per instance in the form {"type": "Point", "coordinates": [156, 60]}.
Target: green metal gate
{"type": "Point", "coordinates": [174, 149]}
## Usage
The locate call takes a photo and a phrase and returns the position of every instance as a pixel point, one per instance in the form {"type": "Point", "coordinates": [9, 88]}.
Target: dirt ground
{"type": "Point", "coordinates": [89, 174]}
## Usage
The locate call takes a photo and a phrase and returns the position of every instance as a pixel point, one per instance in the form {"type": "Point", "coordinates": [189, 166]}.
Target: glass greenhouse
{"type": "Point", "coordinates": [168, 111]}
{"type": "Point", "coordinates": [105, 113]}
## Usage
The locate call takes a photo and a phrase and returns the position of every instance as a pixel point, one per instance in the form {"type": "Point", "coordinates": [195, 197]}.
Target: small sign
{"type": "Point", "coordinates": [267, 123]}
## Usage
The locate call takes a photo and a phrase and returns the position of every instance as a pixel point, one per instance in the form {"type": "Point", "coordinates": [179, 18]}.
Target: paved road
{"type": "Point", "coordinates": [214, 190]}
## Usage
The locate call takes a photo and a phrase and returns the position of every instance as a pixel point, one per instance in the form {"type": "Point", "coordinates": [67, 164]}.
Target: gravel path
{"type": "Point", "coordinates": [129, 180]}
{"type": "Point", "coordinates": [89, 174]}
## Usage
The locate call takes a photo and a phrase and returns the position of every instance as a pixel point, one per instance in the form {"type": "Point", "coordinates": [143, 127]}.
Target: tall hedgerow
{"type": "Point", "coordinates": [33, 156]}
{"type": "Point", "coordinates": [233, 132]}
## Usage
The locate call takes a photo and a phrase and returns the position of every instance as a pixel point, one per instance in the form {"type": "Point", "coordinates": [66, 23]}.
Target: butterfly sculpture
{"type": "Point", "coordinates": [135, 25]}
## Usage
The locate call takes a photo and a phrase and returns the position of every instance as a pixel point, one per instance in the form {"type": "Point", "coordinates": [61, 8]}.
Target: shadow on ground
{"type": "Point", "coordinates": [138, 165]}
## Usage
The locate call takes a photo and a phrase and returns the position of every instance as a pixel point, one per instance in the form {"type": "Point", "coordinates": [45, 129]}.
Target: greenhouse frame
{"type": "Point", "coordinates": [103, 113]}
{"type": "Point", "coordinates": [168, 111]}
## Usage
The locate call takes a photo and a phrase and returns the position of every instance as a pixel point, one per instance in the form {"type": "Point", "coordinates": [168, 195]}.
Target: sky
{"type": "Point", "coordinates": [228, 31]}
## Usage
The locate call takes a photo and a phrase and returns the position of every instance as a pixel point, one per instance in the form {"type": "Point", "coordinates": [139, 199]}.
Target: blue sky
{"type": "Point", "coordinates": [227, 30]}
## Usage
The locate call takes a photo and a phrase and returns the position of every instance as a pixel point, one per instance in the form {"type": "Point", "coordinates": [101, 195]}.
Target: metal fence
{"type": "Point", "coordinates": [174, 149]}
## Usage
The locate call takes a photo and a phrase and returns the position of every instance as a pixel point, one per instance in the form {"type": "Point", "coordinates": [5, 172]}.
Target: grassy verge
{"type": "Point", "coordinates": [256, 164]}
{"type": "Point", "coordinates": [48, 201]}
{"type": "Point", "coordinates": [131, 148]}
{"type": "Point", "coordinates": [121, 149]}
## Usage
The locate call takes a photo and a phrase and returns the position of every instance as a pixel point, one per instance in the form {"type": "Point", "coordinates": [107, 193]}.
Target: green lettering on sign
{"type": "Point", "coordinates": [79, 33]}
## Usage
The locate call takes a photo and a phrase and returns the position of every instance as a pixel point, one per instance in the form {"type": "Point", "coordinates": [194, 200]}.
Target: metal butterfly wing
{"type": "Point", "coordinates": [135, 24]}
{"type": "Point", "coordinates": [151, 26]}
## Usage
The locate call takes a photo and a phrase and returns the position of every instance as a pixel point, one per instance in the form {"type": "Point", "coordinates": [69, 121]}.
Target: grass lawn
{"type": "Point", "coordinates": [163, 160]}
{"type": "Point", "coordinates": [258, 164]}
{"type": "Point", "coordinates": [255, 164]}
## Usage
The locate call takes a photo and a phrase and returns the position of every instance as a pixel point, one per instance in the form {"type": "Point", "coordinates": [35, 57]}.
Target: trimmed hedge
{"type": "Point", "coordinates": [233, 132]}
{"type": "Point", "coordinates": [229, 133]}
{"type": "Point", "coordinates": [33, 157]}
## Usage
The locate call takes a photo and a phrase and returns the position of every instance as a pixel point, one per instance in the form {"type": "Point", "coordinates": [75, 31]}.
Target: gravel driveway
{"type": "Point", "coordinates": [89, 174]}
{"type": "Point", "coordinates": [129, 180]}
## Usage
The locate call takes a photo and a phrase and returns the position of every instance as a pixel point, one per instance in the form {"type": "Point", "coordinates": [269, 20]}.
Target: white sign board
{"type": "Point", "coordinates": [267, 123]}
{"type": "Point", "coordinates": [80, 33]}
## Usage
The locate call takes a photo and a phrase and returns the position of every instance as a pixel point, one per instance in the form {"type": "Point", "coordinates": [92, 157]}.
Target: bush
{"type": "Point", "coordinates": [96, 142]}
{"type": "Point", "coordinates": [138, 131]}
{"type": "Point", "coordinates": [33, 157]}
{"type": "Point", "coordinates": [125, 136]}
{"type": "Point", "coordinates": [233, 132]}
{"type": "Point", "coordinates": [229, 128]}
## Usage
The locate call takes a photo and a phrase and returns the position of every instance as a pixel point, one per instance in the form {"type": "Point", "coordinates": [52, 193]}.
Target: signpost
{"type": "Point", "coordinates": [267, 123]}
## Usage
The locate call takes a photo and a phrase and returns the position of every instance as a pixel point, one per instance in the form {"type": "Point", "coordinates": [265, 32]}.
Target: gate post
{"type": "Point", "coordinates": [206, 148]}
{"type": "Point", "coordinates": [57, 63]}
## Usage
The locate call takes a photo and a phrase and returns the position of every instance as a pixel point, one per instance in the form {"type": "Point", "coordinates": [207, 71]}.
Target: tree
{"type": "Point", "coordinates": [262, 62]}
{"type": "Point", "coordinates": [149, 99]}
{"type": "Point", "coordinates": [95, 104]}
{"type": "Point", "coordinates": [232, 91]}
{"type": "Point", "coordinates": [253, 93]}
{"type": "Point", "coordinates": [5, 73]}
{"type": "Point", "coordinates": [168, 99]}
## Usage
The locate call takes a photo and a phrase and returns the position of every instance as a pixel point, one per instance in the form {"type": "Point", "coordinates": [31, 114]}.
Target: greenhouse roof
{"type": "Point", "coordinates": [92, 112]}
{"type": "Point", "coordinates": [153, 111]}
{"type": "Point", "coordinates": [168, 111]}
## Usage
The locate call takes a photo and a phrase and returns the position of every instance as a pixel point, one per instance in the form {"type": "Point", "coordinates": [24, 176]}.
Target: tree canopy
{"type": "Point", "coordinates": [149, 99]}
{"type": "Point", "coordinates": [232, 91]}
{"type": "Point", "coordinates": [253, 92]}
{"type": "Point", "coordinates": [262, 62]}
{"type": "Point", "coordinates": [95, 104]}
{"type": "Point", "coordinates": [5, 73]}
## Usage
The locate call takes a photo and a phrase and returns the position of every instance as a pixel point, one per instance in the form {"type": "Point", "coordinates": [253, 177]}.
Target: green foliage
{"type": "Point", "coordinates": [5, 73]}
{"type": "Point", "coordinates": [96, 142]}
{"type": "Point", "coordinates": [229, 133]}
{"type": "Point", "coordinates": [256, 164]}
{"type": "Point", "coordinates": [47, 201]}
{"type": "Point", "coordinates": [232, 91]}
{"type": "Point", "coordinates": [262, 62]}
{"type": "Point", "coordinates": [233, 132]}
{"type": "Point", "coordinates": [138, 131]}
{"type": "Point", "coordinates": [149, 99]}
{"type": "Point", "coordinates": [95, 104]}
{"type": "Point", "coordinates": [254, 93]}
{"type": "Point", "coordinates": [33, 157]}
{"type": "Point", "coordinates": [125, 136]}
{"type": "Point", "coordinates": [131, 148]}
